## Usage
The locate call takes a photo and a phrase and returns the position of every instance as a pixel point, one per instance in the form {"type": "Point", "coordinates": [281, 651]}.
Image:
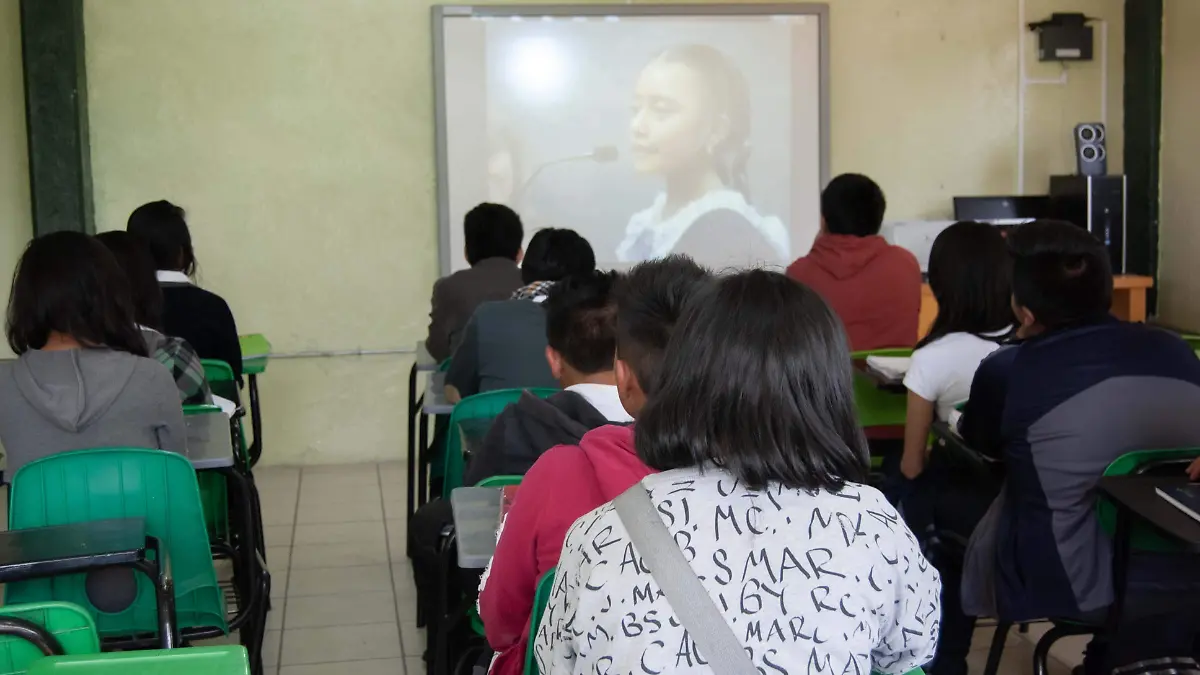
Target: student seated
{"type": "Point", "coordinates": [201, 317]}
{"type": "Point", "coordinates": [969, 274]}
{"type": "Point", "coordinates": [81, 379]}
{"type": "Point", "coordinates": [174, 353]}
{"type": "Point", "coordinates": [504, 343]}
{"type": "Point", "coordinates": [580, 325]}
{"type": "Point", "coordinates": [1082, 389]}
{"type": "Point", "coordinates": [752, 425]}
{"type": "Point", "coordinates": [493, 235]}
{"type": "Point", "coordinates": [570, 480]}
{"type": "Point", "coordinates": [874, 287]}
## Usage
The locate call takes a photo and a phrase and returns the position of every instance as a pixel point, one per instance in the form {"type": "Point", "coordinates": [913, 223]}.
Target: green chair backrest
{"type": "Point", "coordinates": [230, 660]}
{"type": "Point", "coordinates": [878, 408]}
{"type": "Point", "coordinates": [500, 481]}
{"type": "Point", "coordinates": [70, 624]}
{"type": "Point", "coordinates": [87, 485]}
{"type": "Point", "coordinates": [541, 600]}
{"type": "Point", "coordinates": [1142, 537]}
{"type": "Point", "coordinates": [487, 405]}
{"type": "Point", "coordinates": [221, 379]}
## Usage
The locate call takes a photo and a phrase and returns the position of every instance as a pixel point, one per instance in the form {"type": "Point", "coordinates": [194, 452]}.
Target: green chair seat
{"type": "Point", "coordinates": [231, 660]}
{"type": "Point", "coordinates": [541, 600]}
{"type": "Point", "coordinates": [480, 406]}
{"type": "Point", "coordinates": [70, 624]}
{"type": "Point", "coordinates": [159, 487]}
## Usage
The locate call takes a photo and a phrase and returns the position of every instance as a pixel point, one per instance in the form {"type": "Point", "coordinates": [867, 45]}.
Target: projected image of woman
{"type": "Point", "coordinates": [691, 126]}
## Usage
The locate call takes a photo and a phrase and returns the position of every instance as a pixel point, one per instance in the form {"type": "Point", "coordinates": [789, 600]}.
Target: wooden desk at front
{"type": "Point", "coordinates": [1129, 300]}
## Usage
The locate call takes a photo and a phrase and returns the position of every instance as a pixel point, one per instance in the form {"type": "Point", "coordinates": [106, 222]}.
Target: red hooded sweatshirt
{"type": "Point", "coordinates": [565, 483]}
{"type": "Point", "coordinates": [874, 287]}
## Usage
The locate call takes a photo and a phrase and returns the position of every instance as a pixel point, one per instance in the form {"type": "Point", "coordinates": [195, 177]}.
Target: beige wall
{"type": "Point", "coordinates": [1179, 230]}
{"type": "Point", "coordinates": [15, 223]}
{"type": "Point", "coordinates": [299, 134]}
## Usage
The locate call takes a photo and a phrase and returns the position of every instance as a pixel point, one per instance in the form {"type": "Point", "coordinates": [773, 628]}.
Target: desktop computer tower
{"type": "Point", "coordinates": [1096, 203]}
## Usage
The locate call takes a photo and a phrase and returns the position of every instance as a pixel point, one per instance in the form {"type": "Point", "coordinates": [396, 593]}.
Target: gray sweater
{"type": "Point", "coordinates": [75, 399]}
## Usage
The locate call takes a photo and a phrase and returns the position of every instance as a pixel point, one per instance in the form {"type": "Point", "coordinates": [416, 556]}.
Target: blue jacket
{"type": "Point", "coordinates": [1073, 401]}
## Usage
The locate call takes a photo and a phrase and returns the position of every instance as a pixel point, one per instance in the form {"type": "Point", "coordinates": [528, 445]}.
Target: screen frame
{"type": "Point", "coordinates": [442, 12]}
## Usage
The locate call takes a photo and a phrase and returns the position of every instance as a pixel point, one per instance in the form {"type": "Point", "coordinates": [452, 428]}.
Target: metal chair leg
{"type": "Point", "coordinates": [996, 652]}
{"type": "Point", "coordinates": [1041, 653]}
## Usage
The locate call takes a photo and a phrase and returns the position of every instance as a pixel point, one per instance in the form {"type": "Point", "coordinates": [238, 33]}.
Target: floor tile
{"type": "Point", "coordinates": [340, 643]}
{"type": "Point", "coordinates": [278, 535]}
{"type": "Point", "coordinates": [271, 641]}
{"type": "Point", "coordinates": [394, 508]}
{"type": "Point", "coordinates": [278, 557]}
{"type": "Point", "coordinates": [414, 665]}
{"type": "Point", "coordinates": [344, 609]}
{"type": "Point", "coordinates": [369, 532]}
{"type": "Point", "coordinates": [309, 556]}
{"type": "Point", "coordinates": [279, 582]}
{"type": "Point", "coordinates": [275, 616]}
{"type": "Point", "coordinates": [278, 513]}
{"type": "Point", "coordinates": [318, 512]}
{"type": "Point", "coordinates": [332, 580]}
{"type": "Point", "coordinates": [412, 638]}
{"type": "Point", "coordinates": [334, 470]}
{"type": "Point", "coordinates": [375, 667]}
{"type": "Point", "coordinates": [322, 493]}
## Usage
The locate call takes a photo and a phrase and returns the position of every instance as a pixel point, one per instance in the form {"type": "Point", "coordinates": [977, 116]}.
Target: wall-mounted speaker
{"type": "Point", "coordinates": [1091, 157]}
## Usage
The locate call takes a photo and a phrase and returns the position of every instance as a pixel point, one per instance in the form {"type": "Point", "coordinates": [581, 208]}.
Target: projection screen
{"type": "Point", "coordinates": [649, 130]}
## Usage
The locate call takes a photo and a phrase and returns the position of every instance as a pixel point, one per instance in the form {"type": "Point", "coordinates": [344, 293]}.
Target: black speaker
{"type": "Point", "coordinates": [1096, 203]}
{"type": "Point", "coordinates": [1091, 157]}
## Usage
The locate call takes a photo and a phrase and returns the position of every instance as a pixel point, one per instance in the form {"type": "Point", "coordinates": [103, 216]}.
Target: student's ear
{"type": "Point", "coordinates": [555, 360]}
{"type": "Point", "coordinates": [824, 227]}
{"type": "Point", "coordinates": [1026, 322]}
{"type": "Point", "coordinates": [520, 255]}
{"type": "Point", "coordinates": [629, 390]}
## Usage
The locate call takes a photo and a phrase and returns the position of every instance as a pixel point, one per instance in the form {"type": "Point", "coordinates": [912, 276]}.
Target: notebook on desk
{"type": "Point", "coordinates": [1186, 498]}
{"type": "Point", "coordinates": [891, 367]}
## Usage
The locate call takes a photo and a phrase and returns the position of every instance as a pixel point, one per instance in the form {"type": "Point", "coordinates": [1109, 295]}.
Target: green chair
{"type": "Point", "coordinates": [214, 494]}
{"type": "Point", "coordinates": [480, 406]}
{"type": "Point", "coordinates": [159, 487]}
{"type": "Point", "coordinates": [1142, 537]}
{"type": "Point", "coordinates": [541, 600]}
{"type": "Point", "coordinates": [221, 379]}
{"type": "Point", "coordinates": [230, 660]}
{"type": "Point", "coordinates": [67, 625]}
{"type": "Point", "coordinates": [876, 407]}
{"type": "Point", "coordinates": [500, 481]}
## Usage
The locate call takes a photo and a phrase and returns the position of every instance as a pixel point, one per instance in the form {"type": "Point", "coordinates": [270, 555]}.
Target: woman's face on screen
{"type": "Point", "coordinates": [671, 125]}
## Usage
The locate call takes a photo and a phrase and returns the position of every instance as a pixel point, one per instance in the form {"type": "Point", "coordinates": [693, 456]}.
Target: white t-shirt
{"type": "Point", "coordinates": [942, 370]}
{"type": "Point", "coordinates": [809, 583]}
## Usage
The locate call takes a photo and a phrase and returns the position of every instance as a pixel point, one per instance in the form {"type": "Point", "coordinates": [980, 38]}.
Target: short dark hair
{"type": "Point", "coordinates": [853, 204]}
{"type": "Point", "coordinates": [970, 274]}
{"type": "Point", "coordinates": [757, 380]}
{"type": "Point", "coordinates": [138, 265]}
{"type": "Point", "coordinates": [1061, 273]}
{"type": "Point", "coordinates": [492, 231]}
{"type": "Point", "coordinates": [650, 298]}
{"type": "Point", "coordinates": [556, 253]}
{"type": "Point", "coordinates": [161, 225]}
{"type": "Point", "coordinates": [581, 321]}
{"type": "Point", "coordinates": [67, 282]}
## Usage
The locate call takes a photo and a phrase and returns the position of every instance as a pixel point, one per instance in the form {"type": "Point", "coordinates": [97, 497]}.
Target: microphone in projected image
{"type": "Point", "coordinates": [601, 154]}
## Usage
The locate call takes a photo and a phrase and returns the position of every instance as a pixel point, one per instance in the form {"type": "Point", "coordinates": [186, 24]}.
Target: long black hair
{"type": "Point", "coordinates": [970, 274]}
{"type": "Point", "coordinates": [757, 379]}
{"type": "Point", "coordinates": [135, 260]}
{"type": "Point", "coordinates": [67, 282]}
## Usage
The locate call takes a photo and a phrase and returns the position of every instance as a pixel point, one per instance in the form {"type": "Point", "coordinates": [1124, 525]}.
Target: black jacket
{"type": "Point", "coordinates": [204, 320]}
{"type": "Point", "coordinates": [529, 427]}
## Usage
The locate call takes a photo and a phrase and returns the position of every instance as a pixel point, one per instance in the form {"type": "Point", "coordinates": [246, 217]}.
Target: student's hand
{"type": "Point", "coordinates": [1193, 470]}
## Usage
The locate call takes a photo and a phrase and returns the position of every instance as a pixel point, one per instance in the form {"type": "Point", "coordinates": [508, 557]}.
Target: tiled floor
{"type": "Point", "coordinates": [342, 586]}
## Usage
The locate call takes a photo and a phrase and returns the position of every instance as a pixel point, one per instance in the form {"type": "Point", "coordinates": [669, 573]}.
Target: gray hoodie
{"type": "Point", "coordinates": [75, 399]}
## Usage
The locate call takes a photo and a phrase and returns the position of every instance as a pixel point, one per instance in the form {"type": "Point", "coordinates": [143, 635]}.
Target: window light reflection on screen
{"type": "Point", "coordinates": [537, 68]}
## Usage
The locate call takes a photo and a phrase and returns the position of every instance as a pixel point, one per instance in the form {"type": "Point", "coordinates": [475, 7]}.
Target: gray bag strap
{"type": "Point", "coordinates": [692, 604]}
